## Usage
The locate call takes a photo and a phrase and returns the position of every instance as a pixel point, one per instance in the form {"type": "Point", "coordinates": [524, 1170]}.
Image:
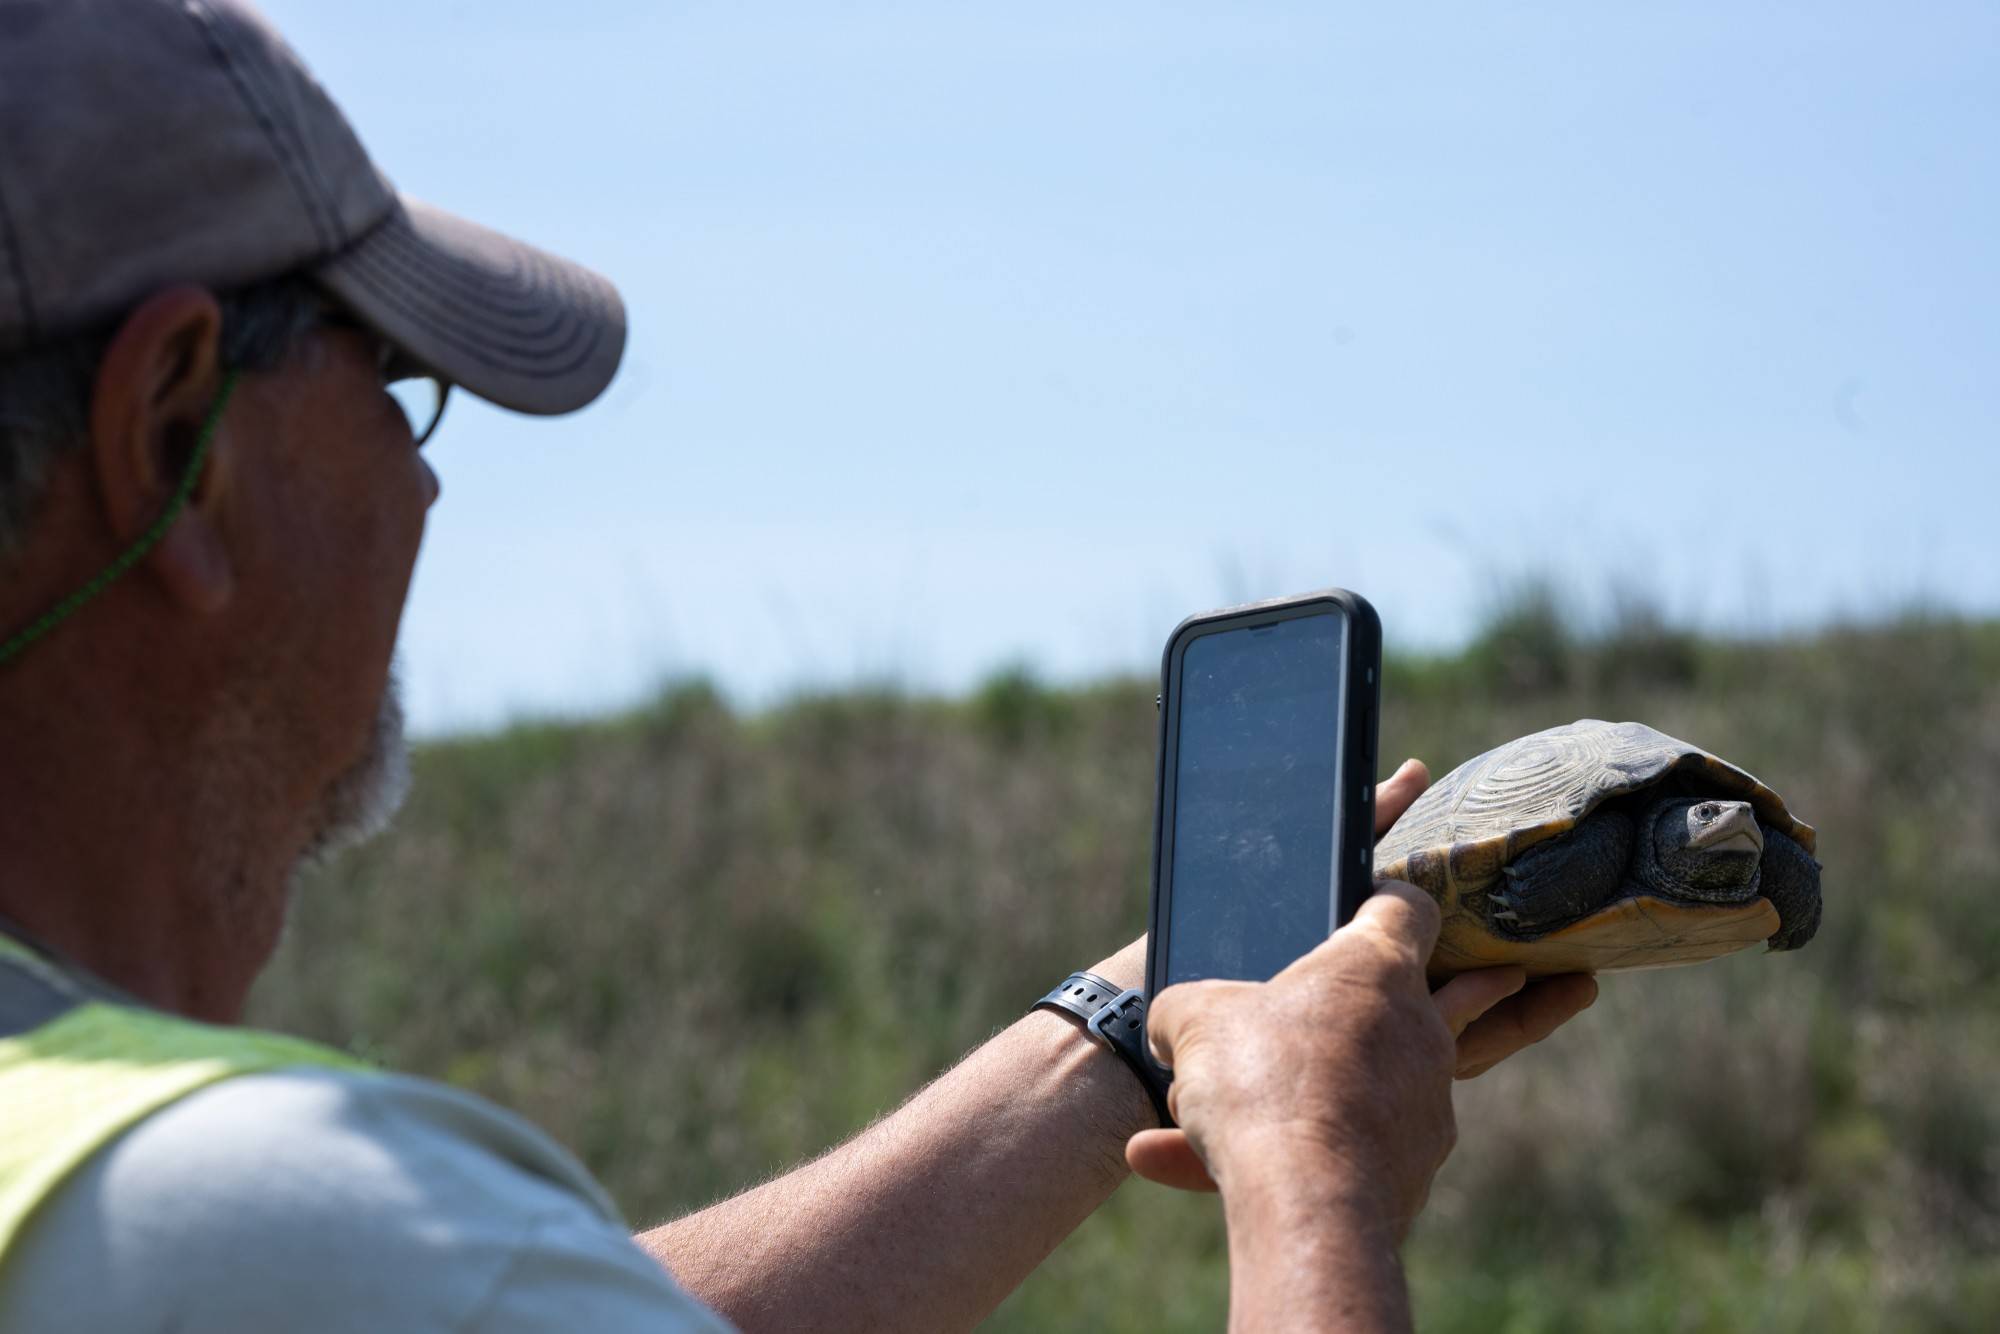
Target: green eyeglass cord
{"type": "Point", "coordinates": [132, 555]}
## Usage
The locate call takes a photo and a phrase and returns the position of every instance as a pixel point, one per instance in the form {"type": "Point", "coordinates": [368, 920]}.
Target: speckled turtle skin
{"type": "Point", "coordinates": [1455, 839]}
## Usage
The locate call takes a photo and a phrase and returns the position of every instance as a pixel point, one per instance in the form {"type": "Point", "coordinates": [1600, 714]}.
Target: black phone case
{"type": "Point", "coordinates": [1360, 719]}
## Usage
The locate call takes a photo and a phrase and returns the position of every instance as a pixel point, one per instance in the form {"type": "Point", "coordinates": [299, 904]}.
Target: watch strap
{"type": "Point", "coordinates": [1115, 1018]}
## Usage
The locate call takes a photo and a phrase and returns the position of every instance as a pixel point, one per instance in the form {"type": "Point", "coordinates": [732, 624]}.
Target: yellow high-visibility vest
{"type": "Point", "coordinates": [77, 1071]}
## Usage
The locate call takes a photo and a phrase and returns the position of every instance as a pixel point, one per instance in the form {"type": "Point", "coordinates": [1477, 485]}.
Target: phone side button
{"type": "Point", "coordinates": [1368, 736]}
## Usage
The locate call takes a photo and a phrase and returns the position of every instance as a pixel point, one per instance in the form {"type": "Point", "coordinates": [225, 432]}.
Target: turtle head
{"type": "Point", "coordinates": [1707, 848]}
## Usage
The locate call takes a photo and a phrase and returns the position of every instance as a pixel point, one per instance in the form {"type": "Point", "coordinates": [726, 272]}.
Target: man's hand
{"type": "Point", "coordinates": [1340, 1065]}
{"type": "Point", "coordinates": [1490, 1014]}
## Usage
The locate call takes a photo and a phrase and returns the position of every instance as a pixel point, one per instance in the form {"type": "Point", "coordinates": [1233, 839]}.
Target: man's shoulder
{"type": "Point", "coordinates": [320, 1140]}
{"type": "Point", "coordinates": [372, 1200]}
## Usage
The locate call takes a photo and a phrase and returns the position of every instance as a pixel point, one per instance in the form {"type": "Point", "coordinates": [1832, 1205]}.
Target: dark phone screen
{"type": "Point", "coordinates": [1255, 774]}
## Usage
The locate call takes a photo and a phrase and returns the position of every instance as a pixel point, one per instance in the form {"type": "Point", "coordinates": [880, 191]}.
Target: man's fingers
{"type": "Point", "coordinates": [1168, 1011]}
{"type": "Point", "coordinates": [1163, 1013]}
{"type": "Point", "coordinates": [1394, 794]}
{"type": "Point", "coordinates": [1402, 914]}
{"type": "Point", "coordinates": [1470, 995]}
{"type": "Point", "coordinates": [1523, 1019]}
{"type": "Point", "coordinates": [1168, 1157]}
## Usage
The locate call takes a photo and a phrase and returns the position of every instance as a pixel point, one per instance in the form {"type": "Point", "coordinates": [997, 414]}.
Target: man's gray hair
{"type": "Point", "coordinates": [45, 391]}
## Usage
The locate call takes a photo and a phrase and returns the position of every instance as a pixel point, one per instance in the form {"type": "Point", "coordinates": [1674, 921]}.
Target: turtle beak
{"type": "Point", "coordinates": [1724, 826]}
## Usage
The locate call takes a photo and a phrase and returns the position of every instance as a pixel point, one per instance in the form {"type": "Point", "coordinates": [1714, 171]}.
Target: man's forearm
{"type": "Point", "coordinates": [930, 1217]}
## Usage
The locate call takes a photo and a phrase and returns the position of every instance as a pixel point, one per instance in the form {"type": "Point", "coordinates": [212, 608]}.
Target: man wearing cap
{"type": "Point", "coordinates": [213, 309]}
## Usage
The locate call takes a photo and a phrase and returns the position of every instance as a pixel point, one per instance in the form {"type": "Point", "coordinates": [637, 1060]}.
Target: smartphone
{"type": "Point", "coordinates": [1264, 826]}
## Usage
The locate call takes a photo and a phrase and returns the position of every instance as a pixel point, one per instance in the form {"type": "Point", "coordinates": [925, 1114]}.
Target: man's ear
{"type": "Point", "coordinates": [155, 388]}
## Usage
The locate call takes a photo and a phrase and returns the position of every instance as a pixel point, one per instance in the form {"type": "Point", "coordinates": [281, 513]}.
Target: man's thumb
{"type": "Point", "coordinates": [1403, 913]}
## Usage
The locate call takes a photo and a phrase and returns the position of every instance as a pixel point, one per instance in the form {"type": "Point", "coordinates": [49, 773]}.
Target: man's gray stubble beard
{"type": "Point", "coordinates": [361, 802]}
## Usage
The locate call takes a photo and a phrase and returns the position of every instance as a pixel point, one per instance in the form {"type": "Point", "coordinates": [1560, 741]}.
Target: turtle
{"type": "Point", "coordinates": [1598, 846]}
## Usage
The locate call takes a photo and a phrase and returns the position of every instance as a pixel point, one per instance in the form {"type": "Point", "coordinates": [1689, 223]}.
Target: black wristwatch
{"type": "Point", "coordinates": [1116, 1019]}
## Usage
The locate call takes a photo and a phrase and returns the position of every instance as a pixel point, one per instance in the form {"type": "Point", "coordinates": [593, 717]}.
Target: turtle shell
{"type": "Point", "coordinates": [1454, 840]}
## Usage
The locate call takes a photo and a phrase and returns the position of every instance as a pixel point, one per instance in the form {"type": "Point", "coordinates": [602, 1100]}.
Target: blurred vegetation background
{"type": "Point", "coordinates": [682, 941]}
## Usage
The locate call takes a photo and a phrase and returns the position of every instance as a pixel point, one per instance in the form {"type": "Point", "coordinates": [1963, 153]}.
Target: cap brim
{"type": "Point", "coordinates": [511, 323]}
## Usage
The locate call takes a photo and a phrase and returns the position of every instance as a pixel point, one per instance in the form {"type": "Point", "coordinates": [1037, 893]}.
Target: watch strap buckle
{"type": "Point", "coordinates": [1128, 1007]}
{"type": "Point", "coordinates": [1115, 1019]}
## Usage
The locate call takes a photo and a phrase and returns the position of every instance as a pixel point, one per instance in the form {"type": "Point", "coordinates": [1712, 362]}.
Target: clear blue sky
{"type": "Point", "coordinates": [968, 334]}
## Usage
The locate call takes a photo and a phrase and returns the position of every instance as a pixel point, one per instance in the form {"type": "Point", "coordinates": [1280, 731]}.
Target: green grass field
{"type": "Point", "coordinates": [669, 938]}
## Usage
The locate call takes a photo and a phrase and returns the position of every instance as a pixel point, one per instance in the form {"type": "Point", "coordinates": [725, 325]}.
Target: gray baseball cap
{"type": "Point", "coordinates": [151, 142]}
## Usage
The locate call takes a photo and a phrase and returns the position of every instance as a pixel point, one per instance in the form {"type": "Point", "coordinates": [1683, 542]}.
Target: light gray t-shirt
{"type": "Point", "coordinates": [319, 1201]}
